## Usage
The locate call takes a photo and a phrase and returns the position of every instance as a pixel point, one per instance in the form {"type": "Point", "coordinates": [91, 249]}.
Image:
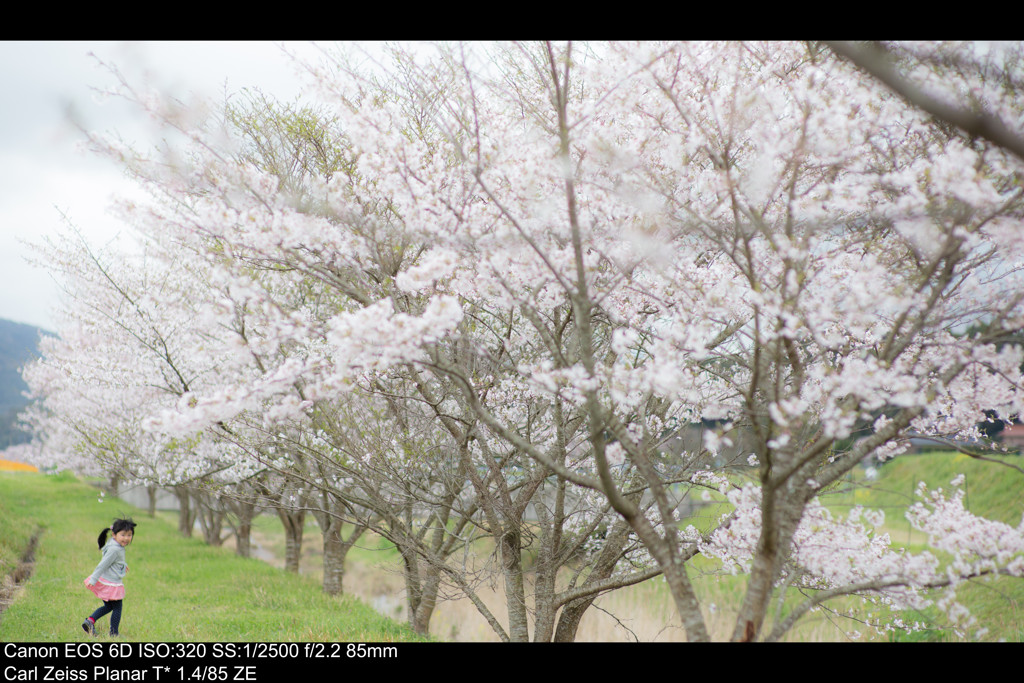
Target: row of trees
{"type": "Point", "coordinates": [485, 291]}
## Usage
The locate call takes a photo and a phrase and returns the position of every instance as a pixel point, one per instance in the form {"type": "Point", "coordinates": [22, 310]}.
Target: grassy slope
{"type": "Point", "coordinates": [992, 491]}
{"type": "Point", "coordinates": [178, 589]}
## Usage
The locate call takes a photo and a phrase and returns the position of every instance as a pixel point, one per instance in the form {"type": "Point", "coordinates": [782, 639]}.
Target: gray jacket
{"type": "Point", "coordinates": [112, 567]}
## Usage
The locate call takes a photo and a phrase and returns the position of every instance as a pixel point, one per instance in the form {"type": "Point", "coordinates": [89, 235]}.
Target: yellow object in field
{"type": "Point", "coordinates": [11, 466]}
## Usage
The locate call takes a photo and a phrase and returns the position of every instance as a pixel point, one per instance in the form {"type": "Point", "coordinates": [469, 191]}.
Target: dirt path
{"type": "Point", "coordinates": [10, 585]}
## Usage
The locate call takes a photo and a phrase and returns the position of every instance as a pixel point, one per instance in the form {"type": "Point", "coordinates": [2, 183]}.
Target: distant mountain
{"type": "Point", "coordinates": [18, 345]}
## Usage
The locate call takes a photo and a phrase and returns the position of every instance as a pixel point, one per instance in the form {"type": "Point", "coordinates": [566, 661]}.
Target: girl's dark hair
{"type": "Point", "coordinates": [120, 524]}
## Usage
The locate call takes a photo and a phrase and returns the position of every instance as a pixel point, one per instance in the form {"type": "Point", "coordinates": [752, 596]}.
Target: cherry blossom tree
{"type": "Point", "coordinates": [388, 491]}
{"type": "Point", "coordinates": [119, 356]}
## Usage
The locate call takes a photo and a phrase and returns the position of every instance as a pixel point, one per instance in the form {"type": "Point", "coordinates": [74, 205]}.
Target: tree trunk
{"type": "Point", "coordinates": [686, 602]}
{"type": "Point", "coordinates": [413, 581]}
{"type": "Point", "coordinates": [515, 594]}
{"type": "Point", "coordinates": [544, 604]}
{"type": "Point", "coordinates": [422, 582]}
{"type": "Point", "coordinates": [186, 517]}
{"type": "Point", "coordinates": [243, 539]}
{"type": "Point", "coordinates": [674, 570]}
{"type": "Point", "coordinates": [569, 619]}
{"type": "Point", "coordinates": [420, 620]}
{"type": "Point", "coordinates": [545, 572]}
{"type": "Point", "coordinates": [151, 492]}
{"type": "Point", "coordinates": [780, 515]}
{"type": "Point", "coordinates": [573, 611]}
{"type": "Point", "coordinates": [244, 513]}
{"type": "Point", "coordinates": [211, 521]}
{"type": "Point", "coordinates": [294, 522]}
{"type": "Point", "coordinates": [336, 548]}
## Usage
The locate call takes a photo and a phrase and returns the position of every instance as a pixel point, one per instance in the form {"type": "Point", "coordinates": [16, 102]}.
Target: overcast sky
{"type": "Point", "coordinates": [42, 170]}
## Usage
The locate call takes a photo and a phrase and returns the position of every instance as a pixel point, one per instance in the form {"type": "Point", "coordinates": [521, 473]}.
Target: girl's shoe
{"type": "Point", "coordinates": [89, 626]}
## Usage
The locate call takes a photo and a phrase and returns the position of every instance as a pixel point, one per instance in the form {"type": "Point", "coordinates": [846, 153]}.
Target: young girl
{"type": "Point", "coordinates": [106, 580]}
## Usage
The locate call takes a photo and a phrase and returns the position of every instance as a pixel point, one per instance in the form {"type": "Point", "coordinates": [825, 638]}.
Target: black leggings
{"type": "Point", "coordinates": [109, 606]}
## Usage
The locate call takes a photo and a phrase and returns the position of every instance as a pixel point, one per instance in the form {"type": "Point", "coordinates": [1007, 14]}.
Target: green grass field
{"type": "Point", "coordinates": [992, 491]}
{"type": "Point", "coordinates": [178, 589]}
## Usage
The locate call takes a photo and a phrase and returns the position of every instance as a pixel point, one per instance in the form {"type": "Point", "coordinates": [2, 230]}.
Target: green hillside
{"type": "Point", "coordinates": [18, 345]}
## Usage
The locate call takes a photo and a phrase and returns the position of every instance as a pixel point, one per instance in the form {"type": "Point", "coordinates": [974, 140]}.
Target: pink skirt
{"type": "Point", "coordinates": [104, 590]}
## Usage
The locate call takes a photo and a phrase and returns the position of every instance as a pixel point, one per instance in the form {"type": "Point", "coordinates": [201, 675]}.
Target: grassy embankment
{"type": "Point", "coordinates": [178, 589]}
{"type": "Point", "coordinates": [992, 491]}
